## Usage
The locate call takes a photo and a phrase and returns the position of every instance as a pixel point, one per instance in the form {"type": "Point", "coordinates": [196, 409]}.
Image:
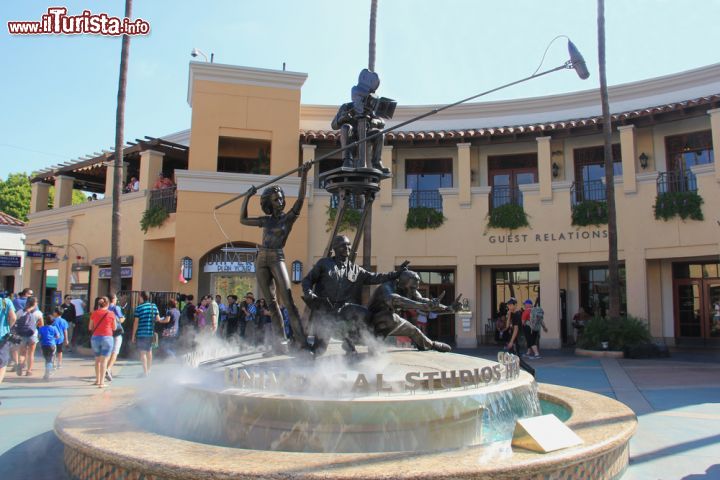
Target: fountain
{"type": "Point", "coordinates": [353, 408]}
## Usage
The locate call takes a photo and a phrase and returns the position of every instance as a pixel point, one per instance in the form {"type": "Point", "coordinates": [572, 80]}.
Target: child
{"type": "Point", "coordinates": [62, 327]}
{"type": "Point", "coordinates": [49, 335]}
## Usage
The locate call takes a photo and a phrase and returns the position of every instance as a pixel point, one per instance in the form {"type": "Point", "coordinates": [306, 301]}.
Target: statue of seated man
{"type": "Point", "coordinates": [333, 290]}
{"type": "Point", "coordinates": [399, 294]}
{"type": "Point", "coordinates": [361, 107]}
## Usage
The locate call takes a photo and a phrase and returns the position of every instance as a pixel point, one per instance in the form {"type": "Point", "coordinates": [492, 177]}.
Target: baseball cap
{"type": "Point", "coordinates": [512, 300]}
{"type": "Point", "coordinates": [528, 302]}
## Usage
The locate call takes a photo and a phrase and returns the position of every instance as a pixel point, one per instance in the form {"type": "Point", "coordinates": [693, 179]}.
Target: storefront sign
{"type": "Point", "coordinates": [106, 273]}
{"type": "Point", "coordinates": [230, 262]}
{"type": "Point", "coordinates": [124, 260]}
{"type": "Point", "coordinates": [10, 261]}
{"type": "Point", "coordinates": [548, 237]}
{"type": "Point", "coordinates": [229, 267]}
{"type": "Point", "coordinates": [40, 254]}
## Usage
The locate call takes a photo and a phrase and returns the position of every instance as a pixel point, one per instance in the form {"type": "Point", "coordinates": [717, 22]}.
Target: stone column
{"type": "Point", "coordinates": [39, 196]}
{"type": "Point", "coordinates": [550, 299]}
{"type": "Point", "coordinates": [464, 174]}
{"type": "Point", "coordinates": [544, 168]}
{"type": "Point", "coordinates": [151, 163]}
{"type": "Point", "coordinates": [627, 152]}
{"type": "Point", "coordinates": [636, 283]}
{"type": "Point", "coordinates": [386, 199]}
{"type": "Point", "coordinates": [63, 191]}
{"type": "Point", "coordinates": [308, 155]}
{"type": "Point", "coordinates": [715, 126]}
{"type": "Point", "coordinates": [123, 178]}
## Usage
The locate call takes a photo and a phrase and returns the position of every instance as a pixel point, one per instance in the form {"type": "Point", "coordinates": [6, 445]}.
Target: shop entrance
{"type": "Point", "coordinates": [697, 303]}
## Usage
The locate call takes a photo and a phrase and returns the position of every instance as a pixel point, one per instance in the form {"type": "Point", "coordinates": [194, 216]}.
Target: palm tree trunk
{"type": "Point", "coordinates": [367, 229]}
{"type": "Point", "coordinates": [613, 270]}
{"type": "Point", "coordinates": [115, 280]}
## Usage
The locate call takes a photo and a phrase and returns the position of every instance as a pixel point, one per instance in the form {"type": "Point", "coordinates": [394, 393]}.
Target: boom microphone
{"type": "Point", "coordinates": [577, 61]}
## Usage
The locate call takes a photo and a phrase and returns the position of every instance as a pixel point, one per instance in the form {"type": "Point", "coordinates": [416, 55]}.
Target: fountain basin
{"type": "Point", "coordinates": [103, 436]}
{"type": "Point", "coordinates": [368, 405]}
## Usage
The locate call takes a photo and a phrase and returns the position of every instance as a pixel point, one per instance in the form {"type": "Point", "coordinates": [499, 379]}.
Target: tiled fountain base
{"type": "Point", "coordinates": [101, 443]}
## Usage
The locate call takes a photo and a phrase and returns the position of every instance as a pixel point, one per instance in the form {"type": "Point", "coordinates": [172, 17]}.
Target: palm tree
{"type": "Point", "coordinates": [118, 163]}
{"type": "Point", "coordinates": [367, 229]}
{"type": "Point", "coordinates": [613, 269]}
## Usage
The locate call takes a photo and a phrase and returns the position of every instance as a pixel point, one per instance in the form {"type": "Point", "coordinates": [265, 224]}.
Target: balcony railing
{"type": "Point", "coordinates": [165, 198]}
{"type": "Point", "coordinates": [505, 195]}
{"type": "Point", "coordinates": [676, 181]}
{"type": "Point", "coordinates": [426, 198]}
{"type": "Point", "coordinates": [588, 190]}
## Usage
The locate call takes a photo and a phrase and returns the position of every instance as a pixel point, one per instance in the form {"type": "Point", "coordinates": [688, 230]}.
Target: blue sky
{"type": "Point", "coordinates": [59, 92]}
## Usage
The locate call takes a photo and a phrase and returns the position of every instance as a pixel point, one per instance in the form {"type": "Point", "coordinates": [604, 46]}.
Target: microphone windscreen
{"type": "Point", "coordinates": [578, 62]}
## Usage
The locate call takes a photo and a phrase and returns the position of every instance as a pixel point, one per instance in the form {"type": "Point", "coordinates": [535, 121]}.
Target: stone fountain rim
{"type": "Point", "coordinates": [95, 429]}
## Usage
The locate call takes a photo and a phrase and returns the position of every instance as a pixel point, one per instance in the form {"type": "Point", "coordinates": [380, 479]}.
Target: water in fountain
{"type": "Point", "coordinates": [295, 404]}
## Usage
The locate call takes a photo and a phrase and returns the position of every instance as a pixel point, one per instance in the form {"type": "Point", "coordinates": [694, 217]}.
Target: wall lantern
{"type": "Point", "coordinates": [187, 268]}
{"type": "Point", "coordinates": [643, 160]}
{"type": "Point", "coordinates": [555, 170]}
{"type": "Point", "coordinates": [297, 271]}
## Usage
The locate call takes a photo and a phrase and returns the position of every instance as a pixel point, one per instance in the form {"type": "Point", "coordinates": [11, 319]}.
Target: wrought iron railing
{"type": "Point", "coordinates": [505, 194]}
{"type": "Point", "coordinates": [426, 198]}
{"type": "Point", "coordinates": [587, 190]}
{"type": "Point", "coordinates": [165, 198]}
{"type": "Point", "coordinates": [676, 181]}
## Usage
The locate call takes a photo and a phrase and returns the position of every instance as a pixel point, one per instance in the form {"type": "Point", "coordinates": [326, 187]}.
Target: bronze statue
{"type": "Point", "coordinates": [361, 118]}
{"type": "Point", "coordinates": [333, 290]}
{"type": "Point", "coordinates": [403, 294]}
{"type": "Point", "coordinates": [270, 269]}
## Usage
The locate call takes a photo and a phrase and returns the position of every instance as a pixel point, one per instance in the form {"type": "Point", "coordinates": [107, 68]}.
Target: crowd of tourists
{"type": "Point", "coordinates": [179, 327]}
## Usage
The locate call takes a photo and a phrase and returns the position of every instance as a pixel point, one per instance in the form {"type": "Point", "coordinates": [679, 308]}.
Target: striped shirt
{"type": "Point", "coordinates": [146, 313]}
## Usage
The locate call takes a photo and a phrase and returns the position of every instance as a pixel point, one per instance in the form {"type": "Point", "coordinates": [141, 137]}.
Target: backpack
{"type": "Point", "coordinates": [536, 318]}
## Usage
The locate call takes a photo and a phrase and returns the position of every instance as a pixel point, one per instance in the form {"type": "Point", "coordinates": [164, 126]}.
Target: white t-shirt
{"type": "Point", "coordinates": [79, 310]}
{"type": "Point", "coordinates": [421, 318]}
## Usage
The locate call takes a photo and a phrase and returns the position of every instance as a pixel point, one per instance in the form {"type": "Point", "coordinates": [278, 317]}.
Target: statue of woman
{"type": "Point", "coordinates": [270, 269]}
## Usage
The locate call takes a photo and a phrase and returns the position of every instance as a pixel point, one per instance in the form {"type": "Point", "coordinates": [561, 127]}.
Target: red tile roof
{"type": "Point", "coordinates": [6, 219]}
{"type": "Point", "coordinates": [402, 135]}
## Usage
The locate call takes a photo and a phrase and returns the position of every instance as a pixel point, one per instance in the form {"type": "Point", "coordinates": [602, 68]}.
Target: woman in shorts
{"type": "Point", "coordinates": [26, 325]}
{"type": "Point", "coordinates": [102, 324]}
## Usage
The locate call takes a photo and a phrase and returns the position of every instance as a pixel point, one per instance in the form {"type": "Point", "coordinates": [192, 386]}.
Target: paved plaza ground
{"type": "Point", "coordinates": [677, 401]}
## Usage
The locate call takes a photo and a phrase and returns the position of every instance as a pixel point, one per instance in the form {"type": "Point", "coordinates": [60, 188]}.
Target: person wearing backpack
{"type": "Point", "coordinates": [537, 323]}
{"type": "Point", "coordinates": [7, 321]}
{"type": "Point", "coordinates": [28, 321]}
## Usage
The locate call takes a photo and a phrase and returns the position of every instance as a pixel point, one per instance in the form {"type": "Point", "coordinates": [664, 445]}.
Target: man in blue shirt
{"type": "Point", "coordinates": [7, 320]}
{"type": "Point", "coordinates": [146, 314]}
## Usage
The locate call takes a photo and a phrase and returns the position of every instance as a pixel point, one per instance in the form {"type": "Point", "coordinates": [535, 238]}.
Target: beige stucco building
{"type": "Point", "coordinates": [541, 155]}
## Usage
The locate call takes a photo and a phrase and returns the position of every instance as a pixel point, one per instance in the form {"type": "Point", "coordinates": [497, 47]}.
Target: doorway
{"type": "Point", "coordinates": [507, 173]}
{"type": "Point", "coordinates": [433, 282]}
{"type": "Point", "coordinates": [697, 303]}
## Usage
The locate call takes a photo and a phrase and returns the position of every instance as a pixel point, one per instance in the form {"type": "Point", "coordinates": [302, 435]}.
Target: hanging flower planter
{"type": "Point", "coordinates": [509, 216]}
{"type": "Point", "coordinates": [423, 218]}
{"type": "Point", "coordinates": [681, 204]}
{"type": "Point", "coordinates": [589, 212]}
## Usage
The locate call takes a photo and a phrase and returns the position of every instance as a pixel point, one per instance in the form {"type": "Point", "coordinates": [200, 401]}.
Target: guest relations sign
{"type": "Point", "coordinates": [548, 237]}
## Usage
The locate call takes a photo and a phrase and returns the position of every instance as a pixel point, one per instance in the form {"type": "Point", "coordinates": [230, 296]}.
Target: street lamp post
{"type": "Point", "coordinates": [44, 243]}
